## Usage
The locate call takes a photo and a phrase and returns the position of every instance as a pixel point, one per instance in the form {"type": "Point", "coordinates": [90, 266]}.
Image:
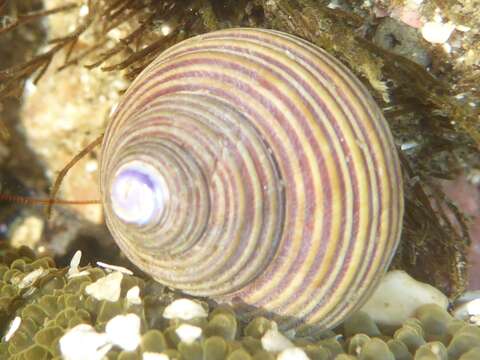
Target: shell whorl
{"type": "Point", "coordinates": [250, 165]}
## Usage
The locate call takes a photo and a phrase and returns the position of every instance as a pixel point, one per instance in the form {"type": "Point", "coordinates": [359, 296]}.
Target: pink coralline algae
{"type": "Point", "coordinates": [467, 197]}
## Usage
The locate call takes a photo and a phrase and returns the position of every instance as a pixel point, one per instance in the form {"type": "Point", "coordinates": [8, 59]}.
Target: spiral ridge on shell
{"type": "Point", "coordinates": [250, 166]}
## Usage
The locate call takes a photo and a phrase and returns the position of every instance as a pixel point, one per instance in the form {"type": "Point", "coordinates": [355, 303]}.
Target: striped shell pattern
{"type": "Point", "coordinates": [252, 167]}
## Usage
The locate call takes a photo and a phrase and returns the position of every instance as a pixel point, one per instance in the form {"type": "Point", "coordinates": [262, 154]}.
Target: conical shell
{"type": "Point", "coordinates": [277, 177]}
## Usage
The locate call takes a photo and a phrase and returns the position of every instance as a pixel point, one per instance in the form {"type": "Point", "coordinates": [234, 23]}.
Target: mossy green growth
{"type": "Point", "coordinates": [215, 348]}
{"type": "Point", "coordinates": [55, 302]}
{"type": "Point", "coordinates": [375, 349]}
{"type": "Point", "coordinates": [360, 323]}
{"type": "Point", "coordinates": [399, 350]}
{"type": "Point", "coordinates": [472, 354]}
{"type": "Point", "coordinates": [466, 339]}
{"type": "Point", "coordinates": [435, 321]}
{"type": "Point", "coordinates": [356, 343]}
{"type": "Point", "coordinates": [410, 337]}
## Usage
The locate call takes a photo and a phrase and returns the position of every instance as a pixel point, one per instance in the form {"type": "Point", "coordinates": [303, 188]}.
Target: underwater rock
{"type": "Point", "coordinates": [467, 307]}
{"type": "Point", "coordinates": [398, 296]}
{"type": "Point", "coordinates": [402, 39]}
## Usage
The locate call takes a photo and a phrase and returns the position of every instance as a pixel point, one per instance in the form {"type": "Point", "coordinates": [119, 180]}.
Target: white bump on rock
{"type": "Point", "coordinates": [293, 354]}
{"type": "Point", "coordinates": [154, 356]}
{"type": "Point", "coordinates": [184, 309]}
{"type": "Point", "coordinates": [83, 342]}
{"type": "Point", "coordinates": [124, 331]}
{"type": "Point", "coordinates": [274, 341]}
{"type": "Point", "coordinates": [115, 268]}
{"type": "Point", "coordinates": [13, 327]}
{"type": "Point", "coordinates": [188, 333]}
{"type": "Point", "coordinates": [106, 288]}
{"type": "Point", "coordinates": [437, 32]}
{"type": "Point", "coordinates": [133, 296]}
{"type": "Point", "coordinates": [398, 296]}
{"type": "Point", "coordinates": [31, 277]}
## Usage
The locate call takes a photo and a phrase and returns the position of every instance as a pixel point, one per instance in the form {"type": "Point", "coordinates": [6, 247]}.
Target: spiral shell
{"type": "Point", "coordinates": [250, 166]}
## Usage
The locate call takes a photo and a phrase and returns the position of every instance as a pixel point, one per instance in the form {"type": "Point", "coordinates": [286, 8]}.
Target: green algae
{"type": "Point", "coordinates": [47, 315]}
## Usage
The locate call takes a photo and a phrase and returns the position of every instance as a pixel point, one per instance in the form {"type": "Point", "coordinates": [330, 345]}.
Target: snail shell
{"type": "Point", "coordinates": [250, 166]}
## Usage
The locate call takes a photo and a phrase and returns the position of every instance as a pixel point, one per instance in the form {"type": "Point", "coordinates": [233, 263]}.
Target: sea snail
{"type": "Point", "coordinates": [252, 167]}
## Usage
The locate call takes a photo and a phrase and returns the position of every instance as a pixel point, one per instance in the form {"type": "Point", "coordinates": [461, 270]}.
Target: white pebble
{"type": "Point", "coordinates": [188, 333]}
{"type": "Point", "coordinates": [13, 327]}
{"type": "Point", "coordinates": [437, 32]}
{"type": "Point", "coordinates": [293, 354]}
{"type": "Point", "coordinates": [154, 356]}
{"type": "Point", "coordinates": [83, 342]}
{"type": "Point", "coordinates": [74, 263]}
{"type": "Point", "coordinates": [133, 296]}
{"type": "Point", "coordinates": [106, 288]}
{"type": "Point", "coordinates": [469, 311]}
{"type": "Point", "coordinates": [398, 296]}
{"type": "Point", "coordinates": [473, 307]}
{"type": "Point", "coordinates": [274, 341]}
{"type": "Point", "coordinates": [115, 268]}
{"type": "Point", "coordinates": [31, 277]}
{"type": "Point", "coordinates": [184, 309]}
{"type": "Point", "coordinates": [124, 331]}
